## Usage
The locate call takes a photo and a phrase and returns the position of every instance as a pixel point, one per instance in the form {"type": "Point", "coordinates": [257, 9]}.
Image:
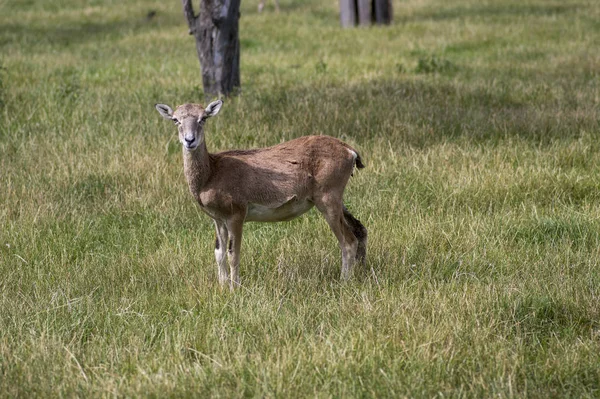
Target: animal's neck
{"type": "Point", "coordinates": [196, 166]}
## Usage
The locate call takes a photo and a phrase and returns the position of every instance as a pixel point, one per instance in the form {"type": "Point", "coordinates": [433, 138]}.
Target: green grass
{"type": "Point", "coordinates": [478, 123]}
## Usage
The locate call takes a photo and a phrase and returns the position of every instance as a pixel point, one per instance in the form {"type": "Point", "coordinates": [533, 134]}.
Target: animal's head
{"type": "Point", "coordinates": [189, 119]}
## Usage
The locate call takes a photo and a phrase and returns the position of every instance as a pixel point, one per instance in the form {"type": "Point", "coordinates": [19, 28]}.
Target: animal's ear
{"type": "Point", "coordinates": [212, 109]}
{"type": "Point", "coordinates": [165, 111]}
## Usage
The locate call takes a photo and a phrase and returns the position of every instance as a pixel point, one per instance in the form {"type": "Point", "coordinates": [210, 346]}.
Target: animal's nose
{"type": "Point", "coordinates": [189, 139]}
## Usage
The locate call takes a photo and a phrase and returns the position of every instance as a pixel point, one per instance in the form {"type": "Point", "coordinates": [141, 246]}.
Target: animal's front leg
{"type": "Point", "coordinates": [235, 226]}
{"type": "Point", "coordinates": [220, 251]}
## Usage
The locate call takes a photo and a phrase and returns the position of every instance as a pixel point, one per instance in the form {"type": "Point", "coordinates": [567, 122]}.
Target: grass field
{"type": "Point", "coordinates": [478, 122]}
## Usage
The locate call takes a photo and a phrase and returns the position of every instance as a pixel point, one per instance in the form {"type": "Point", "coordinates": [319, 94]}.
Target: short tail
{"type": "Point", "coordinates": [358, 162]}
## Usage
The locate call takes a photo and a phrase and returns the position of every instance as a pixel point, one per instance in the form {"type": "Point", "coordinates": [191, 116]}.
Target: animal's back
{"type": "Point", "coordinates": [272, 176]}
{"type": "Point", "coordinates": [300, 150]}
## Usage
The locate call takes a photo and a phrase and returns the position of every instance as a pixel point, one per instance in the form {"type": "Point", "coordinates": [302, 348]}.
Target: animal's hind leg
{"type": "Point", "coordinates": [332, 210]}
{"type": "Point", "coordinates": [360, 232]}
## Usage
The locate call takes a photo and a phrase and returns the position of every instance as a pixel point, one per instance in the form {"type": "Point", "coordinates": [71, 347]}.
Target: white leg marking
{"type": "Point", "coordinates": [222, 264]}
{"type": "Point", "coordinates": [348, 258]}
{"type": "Point", "coordinates": [220, 252]}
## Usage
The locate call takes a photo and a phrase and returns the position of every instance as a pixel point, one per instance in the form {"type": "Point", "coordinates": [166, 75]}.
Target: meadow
{"type": "Point", "coordinates": [478, 123]}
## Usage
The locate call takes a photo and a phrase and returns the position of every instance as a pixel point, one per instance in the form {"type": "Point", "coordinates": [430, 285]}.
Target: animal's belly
{"type": "Point", "coordinates": [283, 213]}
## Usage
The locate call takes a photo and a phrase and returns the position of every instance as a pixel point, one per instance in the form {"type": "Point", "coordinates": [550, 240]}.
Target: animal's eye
{"type": "Point", "coordinates": [175, 121]}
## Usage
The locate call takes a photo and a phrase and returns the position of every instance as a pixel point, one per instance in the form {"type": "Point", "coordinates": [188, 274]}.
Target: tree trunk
{"type": "Point", "coordinates": [365, 12]}
{"type": "Point", "coordinates": [348, 13]}
{"type": "Point", "coordinates": [216, 31]}
{"type": "Point", "coordinates": [382, 11]}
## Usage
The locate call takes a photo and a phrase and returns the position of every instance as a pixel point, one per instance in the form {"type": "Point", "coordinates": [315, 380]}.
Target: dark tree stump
{"type": "Point", "coordinates": [365, 12]}
{"type": "Point", "coordinates": [216, 31]}
{"type": "Point", "coordinates": [382, 11]}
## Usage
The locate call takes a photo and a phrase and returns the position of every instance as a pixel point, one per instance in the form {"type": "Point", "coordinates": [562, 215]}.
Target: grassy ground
{"type": "Point", "coordinates": [478, 122]}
